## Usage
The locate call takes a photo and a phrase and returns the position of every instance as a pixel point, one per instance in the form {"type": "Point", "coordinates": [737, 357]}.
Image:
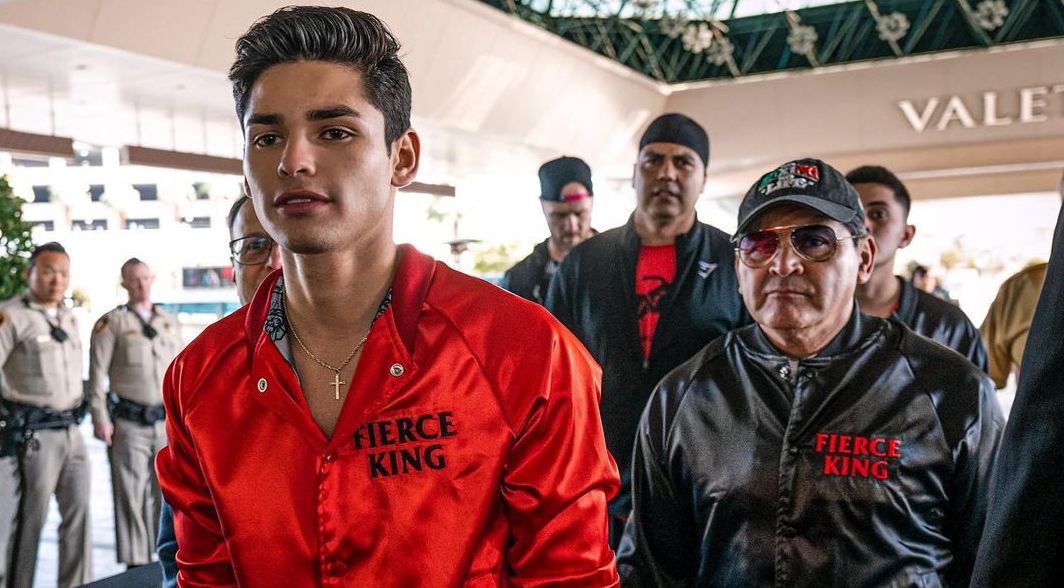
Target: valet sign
{"type": "Point", "coordinates": [1035, 104]}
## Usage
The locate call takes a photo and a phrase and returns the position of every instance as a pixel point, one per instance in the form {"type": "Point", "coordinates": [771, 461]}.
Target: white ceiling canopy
{"type": "Point", "coordinates": [128, 72]}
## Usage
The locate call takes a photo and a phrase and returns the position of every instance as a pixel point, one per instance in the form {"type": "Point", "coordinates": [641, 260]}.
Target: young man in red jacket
{"type": "Point", "coordinates": [370, 419]}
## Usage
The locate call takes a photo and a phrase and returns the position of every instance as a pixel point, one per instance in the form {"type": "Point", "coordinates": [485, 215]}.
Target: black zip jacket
{"type": "Point", "coordinates": [941, 322]}
{"type": "Point", "coordinates": [529, 278]}
{"type": "Point", "coordinates": [864, 466]}
{"type": "Point", "coordinates": [593, 293]}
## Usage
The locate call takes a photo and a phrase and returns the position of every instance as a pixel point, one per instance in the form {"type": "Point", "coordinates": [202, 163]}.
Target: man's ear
{"type": "Point", "coordinates": [867, 255]}
{"type": "Point", "coordinates": [406, 156]}
{"type": "Point", "coordinates": [907, 236]}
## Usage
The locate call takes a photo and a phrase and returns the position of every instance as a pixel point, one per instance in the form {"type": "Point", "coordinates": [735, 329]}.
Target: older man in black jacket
{"type": "Point", "coordinates": [645, 297]}
{"type": "Point", "coordinates": [820, 446]}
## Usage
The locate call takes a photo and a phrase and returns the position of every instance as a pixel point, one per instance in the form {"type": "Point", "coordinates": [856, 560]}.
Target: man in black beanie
{"type": "Point", "coordinates": [565, 194]}
{"type": "Point", "coordinates": [648, 295]}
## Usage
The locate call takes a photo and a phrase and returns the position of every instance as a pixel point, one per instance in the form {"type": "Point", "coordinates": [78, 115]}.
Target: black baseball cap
{"type": "Point", "coordinates": [556, 173]}
{"type": "Point", "coordinates": [809, 182]}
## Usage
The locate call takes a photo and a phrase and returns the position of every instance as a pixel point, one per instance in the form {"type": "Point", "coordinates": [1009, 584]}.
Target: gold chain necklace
{"type": "Point", "coordinates": [337, 382]}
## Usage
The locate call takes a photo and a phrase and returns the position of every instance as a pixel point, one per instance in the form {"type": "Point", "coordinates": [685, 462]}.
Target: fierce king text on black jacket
{"type": "Point", "coordinates": [864, 466]}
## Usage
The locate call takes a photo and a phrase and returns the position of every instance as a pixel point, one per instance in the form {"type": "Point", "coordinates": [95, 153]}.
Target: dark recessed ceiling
{"type": "Point", "coordinates": [688, 40]}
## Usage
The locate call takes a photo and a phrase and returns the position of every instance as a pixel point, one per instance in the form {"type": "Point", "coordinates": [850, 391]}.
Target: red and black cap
{"type": "Point", "coordinates": [556, 173]}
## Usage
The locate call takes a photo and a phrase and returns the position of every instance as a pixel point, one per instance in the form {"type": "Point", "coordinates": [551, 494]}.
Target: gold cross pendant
{"type": "Point", "coordinates": [336, 383]}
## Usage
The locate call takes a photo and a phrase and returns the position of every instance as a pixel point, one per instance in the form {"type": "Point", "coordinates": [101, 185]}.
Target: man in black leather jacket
{"type": "Point", "coordinates": [645, 297]}
{"type": "Point", "coordinates": [565, 195]}
{"type": "Point", "coordinates": [820, 446]}
{"type": "Point", "coordinates": [886, 202]}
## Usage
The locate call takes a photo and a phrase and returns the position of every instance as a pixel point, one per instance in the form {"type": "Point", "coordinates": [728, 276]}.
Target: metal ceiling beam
{"type": "Point", "coordinates": [846, 32]}
{"type": "Point", "coordinates": [976, 30]}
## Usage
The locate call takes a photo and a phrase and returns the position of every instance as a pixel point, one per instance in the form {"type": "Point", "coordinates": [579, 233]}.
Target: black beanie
{"type": "Point", "coordinates": [556, 173]}
{"type": "Point", "coordinates": [681, 130]}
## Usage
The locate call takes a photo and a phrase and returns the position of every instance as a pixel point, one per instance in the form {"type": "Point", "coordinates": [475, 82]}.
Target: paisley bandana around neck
{"type": "Point", "coordinates": [276, 325]}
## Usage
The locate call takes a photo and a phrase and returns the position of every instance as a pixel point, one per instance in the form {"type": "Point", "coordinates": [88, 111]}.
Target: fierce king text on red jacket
{"type": "Point", "coordinates": [469, 451]}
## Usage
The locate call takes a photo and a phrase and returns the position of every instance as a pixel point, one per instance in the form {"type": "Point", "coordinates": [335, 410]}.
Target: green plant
{"type": "Point", "coordinates": [16, 242]}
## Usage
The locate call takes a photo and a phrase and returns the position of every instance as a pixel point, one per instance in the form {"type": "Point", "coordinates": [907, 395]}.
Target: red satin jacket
{"type": "Point", "coordinates": [469, 451]}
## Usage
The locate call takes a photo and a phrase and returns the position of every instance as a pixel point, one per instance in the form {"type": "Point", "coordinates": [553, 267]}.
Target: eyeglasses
{"type": "Point", "coordinates": [253, 250]}
{"type": "Point", "coordinates": [810, 242]}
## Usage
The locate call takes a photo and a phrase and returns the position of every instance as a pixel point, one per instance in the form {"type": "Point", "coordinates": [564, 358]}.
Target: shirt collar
{"type": "Point", "coordinates": [854, 335]}
{"type": "Point", "coordinates": [410, 284]}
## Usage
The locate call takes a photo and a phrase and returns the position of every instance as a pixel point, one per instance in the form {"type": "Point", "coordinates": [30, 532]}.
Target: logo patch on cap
{"type": "Point", "coordinates": [575, 196]}
{"type": "Point", "coordinates": [790, 175]}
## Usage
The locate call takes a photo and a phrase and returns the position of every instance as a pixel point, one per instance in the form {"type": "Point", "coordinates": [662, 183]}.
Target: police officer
{"type": "Point", "coordinates": [9, 486]}
{"type": "Point", "coordinates": [565, 195]}
{"type": "Point", "coordinates": [130, 349]}
{"type": "Point", "coordinates": [41, 389]}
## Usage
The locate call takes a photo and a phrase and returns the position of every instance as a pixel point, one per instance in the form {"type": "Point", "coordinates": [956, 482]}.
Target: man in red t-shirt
{"type": "Point", "coordinates": [645, 297]}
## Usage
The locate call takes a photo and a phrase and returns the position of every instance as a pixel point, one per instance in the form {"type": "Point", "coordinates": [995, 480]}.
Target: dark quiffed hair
{"type": "Point", "coordinates": [49, 247]}
{"type": "Point", "coordinates": [132, 261]}
{"type": "Point", "coordinates": [235, 210]}
{"type": "Point", "coordinates": [877, 174]}
{"type": "Point", "coordinates": [335, 35]}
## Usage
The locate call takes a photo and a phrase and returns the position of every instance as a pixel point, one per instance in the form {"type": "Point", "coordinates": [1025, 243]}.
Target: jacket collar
{"type": "Point", "coordinates": [907, 300]}
{"type": "Point", "coordinates": [410, 284]}
{"type": "Point", "coordinates": [685, 242]}
{"type": "Point", "coordinates": [858, 332]}
{"type": "Point", "coordinates": [541, 252]}
{"type": "Point", "coordinates": [61, 309]}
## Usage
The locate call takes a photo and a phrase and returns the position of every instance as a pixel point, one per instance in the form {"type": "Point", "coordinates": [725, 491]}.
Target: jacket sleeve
{"type": "Point", "coordinates": [559, 295]}
{"type": "Point", "coordinates": [655, 549]}
{"type": "Point", "coordinates": [998, 362]}
{"type": "Point", "coordinates": [976, 351]}
{"type": "Point", "coordinates": [202, 554]}
{"type": "Point", "coordinates": [8, 338]}
{"type": "Point", "coordinates": [558, 478]}
{"type": "Point", "coordinates": [973, 457]}
{"type": "Point", "coordinates": [506, 282]}
{"type": "Point", "coordinates": [101, 351]}
{"type": "Point", "coordinates": [1024, 538]}
{"type": "Point", "coordinates": [166, 546]}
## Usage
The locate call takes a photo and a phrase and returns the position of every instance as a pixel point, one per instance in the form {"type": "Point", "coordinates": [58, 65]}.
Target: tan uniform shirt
{"type": "Point", "coordinates": [119, 352]}
{"type": "Point", "coordinates": [1009, 319]}
{"type": "Point", "coordinates": [37, 369]}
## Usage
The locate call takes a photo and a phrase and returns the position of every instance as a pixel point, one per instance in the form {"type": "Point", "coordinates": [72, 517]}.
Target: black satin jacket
{"type": "Point", "coordinates": [941, 322]}
{"type": "Point", "coordinates": [529, 277]}
{"type": "Point", "coordinates": [866, 465]}
{"type": "Point", "coordinates": [593, 294]}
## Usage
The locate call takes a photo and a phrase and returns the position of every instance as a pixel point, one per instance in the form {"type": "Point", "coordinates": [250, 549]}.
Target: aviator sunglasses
{"type": "Point", "coordinates": [810, 242]}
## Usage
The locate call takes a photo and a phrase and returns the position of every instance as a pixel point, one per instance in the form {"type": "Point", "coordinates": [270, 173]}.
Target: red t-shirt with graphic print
{"type": "Point", "coordinates": [654, 274]}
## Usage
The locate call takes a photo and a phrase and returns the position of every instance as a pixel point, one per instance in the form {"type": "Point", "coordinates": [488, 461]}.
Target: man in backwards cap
{"type": "Point", "coordinates": [565, 193]}
{"type": "Point", "coordinates": [819, 446]}
{"type": "Point", "coordinates": [647, 296]}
